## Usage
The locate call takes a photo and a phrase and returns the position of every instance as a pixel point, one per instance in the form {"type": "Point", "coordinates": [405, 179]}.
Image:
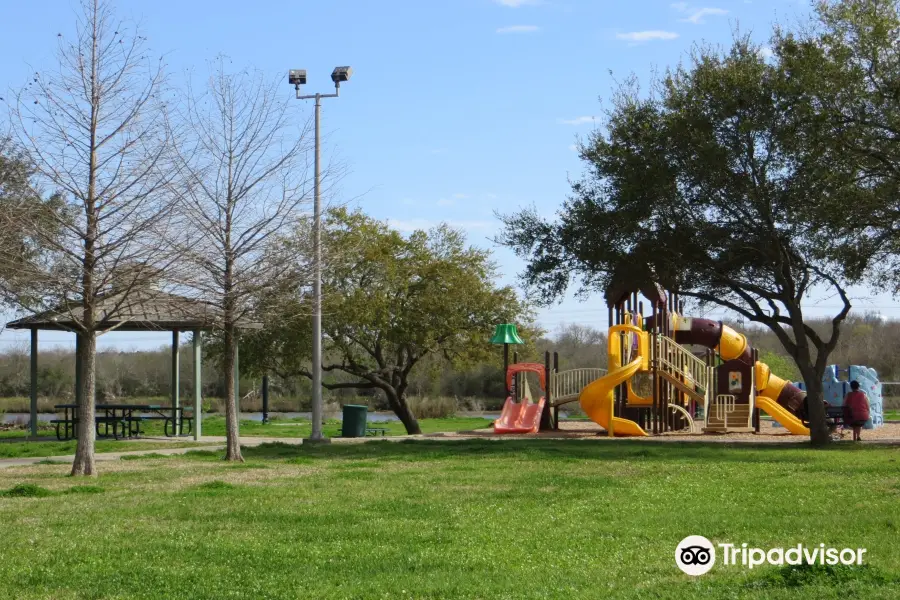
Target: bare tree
{"type": "Point", "coordinates": [246, 178]}
{"type": "Point", "coordinates": [96, 133]}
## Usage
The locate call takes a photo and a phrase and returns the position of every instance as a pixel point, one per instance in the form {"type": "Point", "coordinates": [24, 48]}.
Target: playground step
{"type": "Point", "coordinates": [728, 429]}
{"type": "Point", "coordinates": [733, 421]}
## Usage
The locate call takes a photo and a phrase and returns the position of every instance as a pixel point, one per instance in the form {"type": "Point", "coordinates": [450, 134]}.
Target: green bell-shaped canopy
{"type": "Point", "coordinates": [506, 334]}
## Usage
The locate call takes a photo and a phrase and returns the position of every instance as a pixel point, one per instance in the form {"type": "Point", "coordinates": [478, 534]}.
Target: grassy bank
{"type": "Point", "coordinates": [441, 519]}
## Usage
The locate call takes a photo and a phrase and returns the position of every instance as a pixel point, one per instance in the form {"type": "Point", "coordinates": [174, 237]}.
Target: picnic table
{"type": "Point", "coordinates": [124, 419]}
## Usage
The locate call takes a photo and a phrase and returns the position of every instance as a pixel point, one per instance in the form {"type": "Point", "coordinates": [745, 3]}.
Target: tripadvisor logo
{"type": "Point", "coordinates": [696, 555]}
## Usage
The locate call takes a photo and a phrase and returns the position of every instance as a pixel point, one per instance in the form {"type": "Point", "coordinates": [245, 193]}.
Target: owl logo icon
{"type": "Point", "coordinates": [695, 555]}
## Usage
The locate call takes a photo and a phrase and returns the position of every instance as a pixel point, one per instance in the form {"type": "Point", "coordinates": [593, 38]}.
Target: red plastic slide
{"type": "Point", "coordinates": [520, 417]}
{"type": "Point", "coordinates": [525, 416]}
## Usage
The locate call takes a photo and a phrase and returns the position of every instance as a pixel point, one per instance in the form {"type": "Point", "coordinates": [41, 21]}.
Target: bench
{"type": "Point", "coordinates": [116, 423]}
{"type": "Point", "coordinates": [69, 427]}
{"type": "Point", "coordinates": [66, 423]}
{"type": "Point", "coordinates": [134, 424]}
{"type": "Point", "coordinates": [376, 431]}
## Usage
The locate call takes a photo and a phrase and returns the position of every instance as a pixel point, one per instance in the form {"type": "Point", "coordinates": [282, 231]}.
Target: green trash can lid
{"type": "Point", "coordinates": [356, 406]}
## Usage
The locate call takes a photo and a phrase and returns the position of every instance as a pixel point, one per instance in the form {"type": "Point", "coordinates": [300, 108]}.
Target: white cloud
{"type": "Point", "coordinates": [490, 196]}
{"type": "Point", "coordinates": [517, 3]}
{"type": "Point", "coordinates": [410, 225]}
{"type": "Point", "coordinates": [573, 148]}
{"type": "Point", "coordinates": [697, 15]}
{"type": "Point", "coordinates": [576, 121]}
{"type": "Point", "coordinates": [766, 52]}
{"type": "Point", "coordinates": [460, 196]}
{"type": "Point", "coordinates": [638, 37]}
{"type": "Point", "coordinates": [519, 29]}
{"type": "Point", "coordinates": [446, 202]}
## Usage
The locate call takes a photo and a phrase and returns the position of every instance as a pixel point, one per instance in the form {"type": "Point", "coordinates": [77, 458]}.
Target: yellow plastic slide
{"type": "Point", "coordinates": [769, 386]}
{"type": "Point", "coordinates": [597, 400]}
{"type": "Point", "coordinates": [790, 422]}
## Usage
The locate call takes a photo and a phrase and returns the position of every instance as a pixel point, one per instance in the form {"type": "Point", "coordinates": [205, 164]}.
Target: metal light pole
{"type": "Point", "coordinates": [297, 77]}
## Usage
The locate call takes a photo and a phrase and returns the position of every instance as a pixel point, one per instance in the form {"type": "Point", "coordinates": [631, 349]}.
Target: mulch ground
{"type": "Point", "coordinates": [769, 433]}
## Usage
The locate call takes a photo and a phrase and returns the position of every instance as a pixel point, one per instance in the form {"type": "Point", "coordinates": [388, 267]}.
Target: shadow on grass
{"type": "Point", "coordinates": [576, 450]}
{"type": "Point", "coordinates": [804, 575]}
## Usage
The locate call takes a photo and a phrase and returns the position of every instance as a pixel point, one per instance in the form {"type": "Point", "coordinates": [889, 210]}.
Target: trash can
{"type": "Point", "coordinates": [354, 424]}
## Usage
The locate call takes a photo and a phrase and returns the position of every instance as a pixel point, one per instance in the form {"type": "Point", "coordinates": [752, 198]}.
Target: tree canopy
{"type": "Point", "coordinates": [22, 247]}
{"type": "Point", "coordinates": [389, 302]}
{"type": "Point", "coordinates": [725, 184]}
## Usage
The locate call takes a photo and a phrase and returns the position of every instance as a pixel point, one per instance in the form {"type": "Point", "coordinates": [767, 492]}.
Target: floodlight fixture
{"type": "Point", "coordinates": [341, 74]}
{"type": "Point", "coordinates": [297, 77]}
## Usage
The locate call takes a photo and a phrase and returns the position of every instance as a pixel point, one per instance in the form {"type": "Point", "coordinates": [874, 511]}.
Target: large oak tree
{"type": "Point", "coordinates": [389, 302]}
{"type": "Point", "coordinates": [718, 186]}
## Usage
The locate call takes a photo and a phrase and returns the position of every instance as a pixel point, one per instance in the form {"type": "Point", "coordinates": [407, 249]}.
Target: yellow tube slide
{"type": "Point", "coordinates": [770, 386]}
{"type": "Point", "coordinates": [731, 344]}
{"type": "Point", "coordinates": [790, 422]}
{"type": "Point", "coordinates": [597, 400]}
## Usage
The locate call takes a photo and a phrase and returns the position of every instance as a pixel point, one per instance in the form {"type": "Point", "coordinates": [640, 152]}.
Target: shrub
{"type": "Point", "coordinates": [26, 490]}
{"type": "Point", "coordinates": [432, 407]}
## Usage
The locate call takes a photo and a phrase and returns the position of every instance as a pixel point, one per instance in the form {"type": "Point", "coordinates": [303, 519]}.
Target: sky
{"type": "Point", "coordinates": [456, 110]}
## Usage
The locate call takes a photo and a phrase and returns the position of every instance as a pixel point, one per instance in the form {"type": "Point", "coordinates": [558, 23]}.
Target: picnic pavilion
{"type": "Point", "coordinates": [141, 311]}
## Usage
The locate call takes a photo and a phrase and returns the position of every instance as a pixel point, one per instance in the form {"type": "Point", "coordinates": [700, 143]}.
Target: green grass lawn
{"type": "Point", "coordinates": [215, 425]}
{"type": "Point", "coordinates": [298, 428]}
{"type": "Point", "coordinates": [449, 519]}
{"type": "Point", "coordinates": [54, 448]}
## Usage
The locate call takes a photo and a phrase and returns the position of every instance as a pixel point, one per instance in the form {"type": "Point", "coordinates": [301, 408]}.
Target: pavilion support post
{"type": "Point", "coordinates": [176, 398]}
{"type": "Point", "coordinates": [198, 382]}
{"type": "Point", "coordinates": [34, 382]}
{"type": "Point", "coordinates": [265, 398]}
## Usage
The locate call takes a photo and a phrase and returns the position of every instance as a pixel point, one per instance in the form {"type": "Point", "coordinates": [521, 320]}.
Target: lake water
{"type": "Point", "coordinates": [373, 417]}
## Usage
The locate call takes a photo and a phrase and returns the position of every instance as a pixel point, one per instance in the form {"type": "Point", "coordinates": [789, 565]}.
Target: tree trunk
{"type": "Point", "coordinates": [401, 409]}
{"type": "Point", "coordinates": [84, 451]}
{"type": "Point", "coordinates": [232, 434]}
{"type": "Point", "coordinates": [815, 406]}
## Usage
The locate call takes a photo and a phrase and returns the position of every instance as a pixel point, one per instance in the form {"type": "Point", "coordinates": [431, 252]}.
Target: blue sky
{"type": "Point", "coordinates": [456, 109]}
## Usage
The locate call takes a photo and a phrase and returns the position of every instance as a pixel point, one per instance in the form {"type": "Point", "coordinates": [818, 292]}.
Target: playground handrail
{"type": "Point", "coordinates": [724, 405]}
{"type": "Point", "coordinates": [567, 385]}
{"type": "Point", "coordinates": [675, 359]}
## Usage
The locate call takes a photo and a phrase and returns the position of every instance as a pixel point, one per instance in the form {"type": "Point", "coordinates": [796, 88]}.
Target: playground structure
{"type": "Point", "coordinates": [836, 385]}
{"type": "Point", "coordinates": [721, 389]}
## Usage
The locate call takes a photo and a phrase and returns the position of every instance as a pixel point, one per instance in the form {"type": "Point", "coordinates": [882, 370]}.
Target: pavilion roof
{"type": "Point", "coordinates": [140, 310]}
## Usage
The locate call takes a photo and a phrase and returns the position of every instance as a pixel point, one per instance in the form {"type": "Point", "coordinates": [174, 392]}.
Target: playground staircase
{"type": "Point", "coordinates": [682, 369]}
{"type": "Point", "coordinates": [727, 417]}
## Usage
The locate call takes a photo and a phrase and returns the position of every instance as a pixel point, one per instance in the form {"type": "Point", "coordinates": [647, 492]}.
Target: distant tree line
{"type": "Point", "coordinates": [146, 373]}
